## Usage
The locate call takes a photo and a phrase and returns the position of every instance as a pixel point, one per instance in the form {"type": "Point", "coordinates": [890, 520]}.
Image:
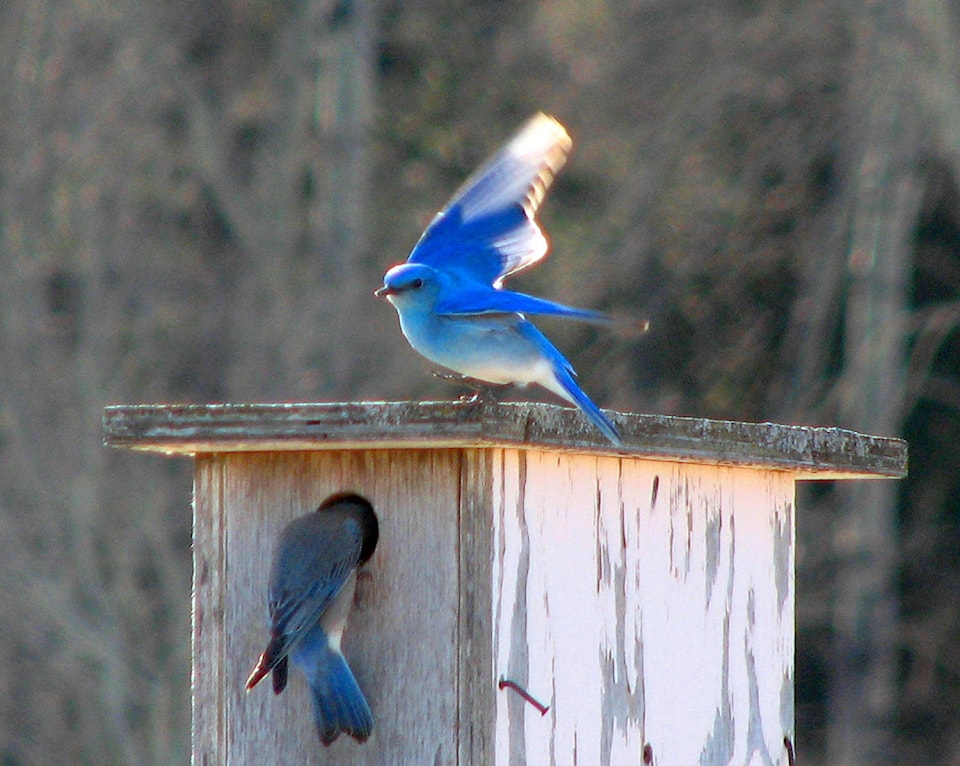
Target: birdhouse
{"type": "Point", "coordinates": [537, 595]}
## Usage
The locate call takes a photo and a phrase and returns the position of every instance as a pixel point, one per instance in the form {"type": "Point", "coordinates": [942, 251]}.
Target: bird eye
{"type": "Point", "coordinates": [416, 284]}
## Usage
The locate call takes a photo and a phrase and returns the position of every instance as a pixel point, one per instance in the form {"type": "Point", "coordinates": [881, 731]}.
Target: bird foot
{"type": "Point", "coordinates": [481, 392]}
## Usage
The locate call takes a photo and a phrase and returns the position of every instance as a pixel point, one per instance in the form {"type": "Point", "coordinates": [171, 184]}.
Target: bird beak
{"type": "Point", "coordinates": [383, 292]}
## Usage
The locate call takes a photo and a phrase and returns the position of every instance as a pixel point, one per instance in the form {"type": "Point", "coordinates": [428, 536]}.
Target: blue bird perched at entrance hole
{"type": "Point", "coordinates": [311, 589]}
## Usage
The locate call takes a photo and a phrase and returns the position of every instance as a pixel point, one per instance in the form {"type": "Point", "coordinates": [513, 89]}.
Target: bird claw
{"type": "Point", "coordinates": [481, 392]}
{"type": "Point", "coordinates": [486, 393]}
{"type": "Point", "coordinates": [453, 377]}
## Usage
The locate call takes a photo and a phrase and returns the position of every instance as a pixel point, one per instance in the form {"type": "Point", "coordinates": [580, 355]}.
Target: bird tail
{"type": "Point", "coordinates": [338, 703]}
{"type": "Point", "coordinates": [562, 382]}
{"type": "Point", "coordinates": [570, 391]}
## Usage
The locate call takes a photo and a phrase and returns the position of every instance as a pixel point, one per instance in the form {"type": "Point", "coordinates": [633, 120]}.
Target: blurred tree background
{"type": "Point", "coordinates": [197, 200]}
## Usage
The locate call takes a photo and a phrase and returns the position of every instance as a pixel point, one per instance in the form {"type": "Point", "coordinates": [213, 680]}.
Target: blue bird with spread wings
{"type": "Point", "coordinates": [449, 293]}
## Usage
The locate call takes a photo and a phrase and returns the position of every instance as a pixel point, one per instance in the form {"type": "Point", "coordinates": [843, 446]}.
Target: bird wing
{"type": "Point", "coordinates": [471, 298]}
{"type": "Point", "coordinates": [488, 230]}
{"type": "Point", "coordinates": [299, 595]}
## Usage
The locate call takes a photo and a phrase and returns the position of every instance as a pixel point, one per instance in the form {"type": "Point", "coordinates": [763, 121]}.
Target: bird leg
{"type": "Point", "coordinates": [481, 391]}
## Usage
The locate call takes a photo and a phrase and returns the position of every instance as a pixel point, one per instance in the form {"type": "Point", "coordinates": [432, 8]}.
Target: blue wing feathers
{"type": "Point", "coordinates": [486, 300]}
{"type": "Point", "coordinates": [488, 229]}
{"type": "Point", "coordinates": [485, 250]}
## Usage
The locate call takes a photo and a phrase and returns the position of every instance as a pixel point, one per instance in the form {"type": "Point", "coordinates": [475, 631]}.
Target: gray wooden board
{"type": "Point", "coordinates": [188, 429]}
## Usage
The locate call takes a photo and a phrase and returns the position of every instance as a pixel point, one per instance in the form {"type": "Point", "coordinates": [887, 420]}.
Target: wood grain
{"type": "Point", "coordinates": [816, 453]}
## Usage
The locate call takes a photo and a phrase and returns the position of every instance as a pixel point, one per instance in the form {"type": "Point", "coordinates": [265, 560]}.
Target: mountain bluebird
{"type": "Point", "coordinates": [449, 294]}
{"type": "Point", "coordinates": [312, 582]}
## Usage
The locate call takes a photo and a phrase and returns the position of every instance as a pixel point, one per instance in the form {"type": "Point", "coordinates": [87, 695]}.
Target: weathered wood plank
{"type": "Point", "coordinates": [825, 453]}
{"type": "Point", "coordinates": [475, 652]}
{"type": "Point", "coordinates": [209, 591]}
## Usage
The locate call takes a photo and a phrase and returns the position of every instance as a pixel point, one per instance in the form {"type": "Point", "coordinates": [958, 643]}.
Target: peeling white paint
{"type": "Point", "coordinates": [641, 617]}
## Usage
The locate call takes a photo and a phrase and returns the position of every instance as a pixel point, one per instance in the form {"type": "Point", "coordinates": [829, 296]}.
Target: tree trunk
{"type": "Point", "coordinates": [885, 195]}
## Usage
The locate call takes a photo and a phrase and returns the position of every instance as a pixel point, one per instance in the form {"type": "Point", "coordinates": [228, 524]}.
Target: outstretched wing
{"type": "Point", "coordinates": [471, 298]}
{"type": "Point", "coordinates": [488, 230]}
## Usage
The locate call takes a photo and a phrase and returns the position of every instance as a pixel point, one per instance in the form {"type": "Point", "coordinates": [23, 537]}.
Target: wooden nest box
{"type": "Point", "coordinates": [644, 596]}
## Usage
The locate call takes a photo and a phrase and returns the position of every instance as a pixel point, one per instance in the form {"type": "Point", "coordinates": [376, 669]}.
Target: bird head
{"type": "Point", "coordinates": [409, 284]}
{"type": "Point", "coordinates": [359, 508]}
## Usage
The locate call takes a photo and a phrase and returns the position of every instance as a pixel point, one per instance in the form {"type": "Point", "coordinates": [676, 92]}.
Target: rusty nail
{"type": "Point", "coordinates": [503, 682]}
{"type": "Point", "coordinates": [791, 758]}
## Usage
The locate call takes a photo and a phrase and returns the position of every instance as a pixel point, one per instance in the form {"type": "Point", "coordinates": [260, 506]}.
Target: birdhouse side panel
{"type": "Point", "coordinates": [648, 605]}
